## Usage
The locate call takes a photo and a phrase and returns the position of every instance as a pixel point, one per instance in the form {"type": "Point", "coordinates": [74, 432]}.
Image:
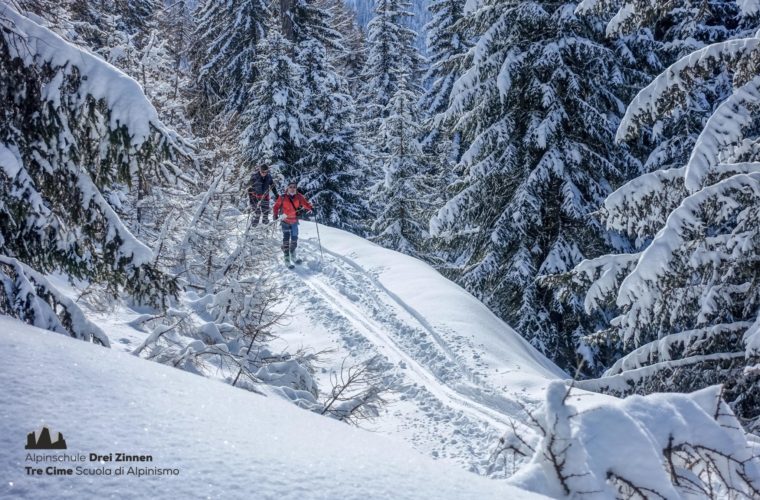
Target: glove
{"type": "Point", "coordinates": [281, 217]}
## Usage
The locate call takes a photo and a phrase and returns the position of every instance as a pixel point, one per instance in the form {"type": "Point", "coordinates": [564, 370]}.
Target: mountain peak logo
{"type": "Point", "coordinates": [44, 442]}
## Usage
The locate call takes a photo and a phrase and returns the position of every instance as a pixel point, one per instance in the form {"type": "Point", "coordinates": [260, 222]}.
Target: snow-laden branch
{"type": "Point", "coordinates": [128, 106]}
{"type": "Point", "coordinates": [656, 260]}
{"type": "Point", "coordinates": [28, 295]}
{"type": "Point", "coordinates": [724, 128]}
{"type": "Point", "coordinates": [655, 99]}
{"type": "Point", "coordinates": [604, 273]}
{"type": "Point", "coordinates": [640, 207]}
{"type": "Point", "coordinates": [661, 350]}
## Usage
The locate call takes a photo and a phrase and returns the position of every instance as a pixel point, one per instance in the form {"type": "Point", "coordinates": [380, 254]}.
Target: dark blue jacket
{"type": "Point", "coordinates": [260, 185]}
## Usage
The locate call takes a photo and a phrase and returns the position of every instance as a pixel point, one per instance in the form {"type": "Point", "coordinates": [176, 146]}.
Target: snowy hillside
{"type": "Point", "coordinates": [594, 219]}
{"type": "Point", "coordinates": [456, 371]}
{"type": "Point", "coordinates": [225, 443]}
{"type": "Point", "coordinates": [460, 377]}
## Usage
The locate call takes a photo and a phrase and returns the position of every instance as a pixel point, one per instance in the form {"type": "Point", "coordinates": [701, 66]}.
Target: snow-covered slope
{"type": "Point", "coordinates": [225, 442]}
{"type": "Point", "coordinates": [462, 372]}
{"type": "Point", "coordinates": [458, 374]}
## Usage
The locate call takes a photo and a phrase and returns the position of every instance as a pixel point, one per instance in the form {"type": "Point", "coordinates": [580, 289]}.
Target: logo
{"type": "Point", "coordinates": [44, 442]}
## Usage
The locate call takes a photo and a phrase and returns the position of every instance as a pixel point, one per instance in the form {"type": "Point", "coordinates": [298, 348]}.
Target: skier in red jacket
{"type": "Point", "coordinates": [291, 204]}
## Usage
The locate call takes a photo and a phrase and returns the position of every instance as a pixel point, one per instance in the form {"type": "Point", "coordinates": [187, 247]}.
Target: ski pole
{"type": "Point", "coordinates": [319, 240]}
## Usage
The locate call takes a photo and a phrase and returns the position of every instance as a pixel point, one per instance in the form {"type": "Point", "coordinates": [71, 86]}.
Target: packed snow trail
{"type": "Point", "coordinates": [458, 375]}
{"type": "Point", "coordinates": [459, 371]}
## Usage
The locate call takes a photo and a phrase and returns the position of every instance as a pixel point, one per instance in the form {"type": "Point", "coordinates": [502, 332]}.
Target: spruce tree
{"type": "Point", "coordinates": [391, 54]}
{"type": "Point", "coordinates": [274, 134]}
{"type": "Point", "coordinates": [330, 169]}
{"type": "Point", "coordinates": [224, 54]}
{"type": "Point", "coordinates": [684, 304]}
{"type": "Point", "coordinates": [400, 196]}
{"type": "Point", "coordinates": [349, 54]}
{"type": "Point", "coordinates": [446, 48]}
{"type": "Point", "coordinates": [536, 110]}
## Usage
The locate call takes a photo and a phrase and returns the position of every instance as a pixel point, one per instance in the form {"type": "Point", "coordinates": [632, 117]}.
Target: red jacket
{"type": "Point", "coordinates": [289, 206]}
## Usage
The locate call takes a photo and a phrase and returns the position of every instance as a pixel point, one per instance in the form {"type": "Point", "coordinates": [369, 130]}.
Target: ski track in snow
{"type": "Point", "coordinates": [452, 395]}
{"type": "Point", "coordinates": [441, 398]}
{"type": "Point", "coordinates": [421, 349]}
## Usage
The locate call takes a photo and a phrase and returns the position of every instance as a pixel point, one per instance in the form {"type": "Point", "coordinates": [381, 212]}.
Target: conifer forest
{"type": "Point", "coordinates": [519, 231]}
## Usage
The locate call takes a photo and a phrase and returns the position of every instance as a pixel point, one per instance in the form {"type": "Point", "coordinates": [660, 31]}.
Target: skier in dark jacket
{"type": "Point", "coordinates": [258, 194]}
{"type": "Point", "coordinates": [291, 205]}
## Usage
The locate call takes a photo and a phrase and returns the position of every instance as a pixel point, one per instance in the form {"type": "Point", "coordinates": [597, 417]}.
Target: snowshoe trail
{"type": "Point", "coordinates": [449, 379]}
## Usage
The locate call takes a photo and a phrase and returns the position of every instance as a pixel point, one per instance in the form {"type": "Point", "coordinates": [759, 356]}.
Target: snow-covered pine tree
{"type": "Point", "coordinates": [148, 206]}
{"type": "Point", "coordinates": [73, 128]}
{"type": "Point", "coordinates": [400, 198]}
{"type": "Point", "coordinates": [305, 20]}
{"type": "Point", "coordinates": [116, 30]}
{"type": "Point", "coordinates": [329, 172]}
{"type": "Point", "coordinates": [176, 25]}
{"type": "Point", "coordinates": [224, 54]}
{"type": "Point", "coordinates": [446, 47]}
{"type": "Point", "coordinates": [688, 299]}
{"type": "Point", "coordinates": [135, 17]}
{"type": "Point", "coordinates": [651, 35]}
{"type": "Point", "coordinates": [274, 134]}
{"type": "Point", "coordinates": [391, 58]}
{"type": "Point", "coordinates": [536, 110]}
{"type": "Point", "coordinates": [349, 55]}
{"type": "Point", "coordinates": [391, 54]}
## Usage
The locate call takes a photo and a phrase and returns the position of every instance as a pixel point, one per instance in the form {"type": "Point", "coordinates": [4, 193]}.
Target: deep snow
{"type": "Point", "coordinates": [226, 442]}
{"type": "Point", "coordinates": [458, 373]}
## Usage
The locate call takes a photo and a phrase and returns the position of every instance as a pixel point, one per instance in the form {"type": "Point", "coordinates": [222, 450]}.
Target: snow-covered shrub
{"type": "Point", "coordinates": [357, 391]}
{"type": "Point", "coordinates": [657, 446]}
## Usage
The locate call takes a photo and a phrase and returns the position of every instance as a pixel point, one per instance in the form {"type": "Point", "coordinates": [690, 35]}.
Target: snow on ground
{"type": "Point", "coordinates": [462, 369]}
{"type": "Point", "coordinates": [225, 442]}
{"type": "Point", "coordinates": [458, 371]}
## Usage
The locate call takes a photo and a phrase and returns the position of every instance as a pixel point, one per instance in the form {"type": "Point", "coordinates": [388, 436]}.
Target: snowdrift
{"type": "Point", "coordinates": [226, 443]}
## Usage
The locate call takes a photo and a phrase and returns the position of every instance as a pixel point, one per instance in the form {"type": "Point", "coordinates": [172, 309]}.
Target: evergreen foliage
{"type": "Point", "coordinates": [275, 132]}
{"type": "Point", "coordinates": [684, 304]}
{"type": "Point", "coordinates": [391, 55]}
{"type": "Point", "coordinates": [536, 109]}
{"type": "Point", "coordinates": [400, 197]}
{"type": "Point", "coordinates": [447, 45]}
{"type": "Point", "coordinates": [224, 54]}
{"type": "Point", "coordinates": [329, 170]}
{"type": "Point", "coordinates": [74, 130]}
